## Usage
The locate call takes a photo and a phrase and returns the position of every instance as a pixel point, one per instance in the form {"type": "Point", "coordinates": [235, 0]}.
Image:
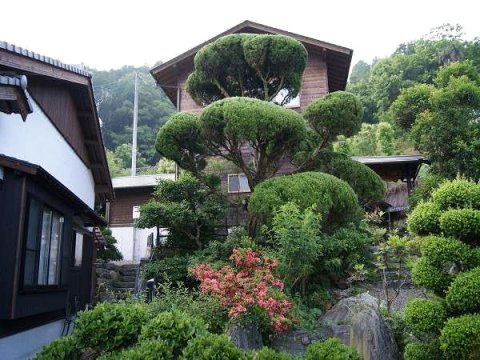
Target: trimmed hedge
{"type": "Point", "coordinates": [463, 295]}
{"type": "Point", "coordinates": [463, 224]}
{"type": "Point", "coordinates": [212, 347]}
{"type": "Point", "coordinates": [174, 328]}
{"type": "Point", "coordinates": [425, 219]}
{"type": "Point", "coordinates": [110, 326]}
{"type": "Point", "coordinates": [424, 317]}
{"type": "Point", "coordinates": [460, 338]}
{"type": "Point", "coordinates": [333, 198]}
{"type": "Point", "coordinates": [269, 354]}
{"type": "Point", "coordinates": [331, 349]}
{"type": "Point", "coordinates": [430, 277]}
{"type": "Point", "coordinates": [441, 252]}
{"type": "Point", "coordinates": [423, 351]}
{"type": "Point", "coordinates": [457, 194]}
{"type": "Point", "coordinates": [145, 350]}
{"type": "Point", "coordinates": [63, 348]}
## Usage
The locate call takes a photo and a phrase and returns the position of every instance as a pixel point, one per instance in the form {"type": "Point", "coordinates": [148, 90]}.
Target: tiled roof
{"type": "Point", "coordinates": [140, 181]}
{"type": "Point", "coordinates": [45, 59]}
{"type": "Point", "coordinates": [20, 81]}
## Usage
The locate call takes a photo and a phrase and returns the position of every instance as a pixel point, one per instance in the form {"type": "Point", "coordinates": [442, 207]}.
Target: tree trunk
{"type": "Point", "coordinates": [252, 225]}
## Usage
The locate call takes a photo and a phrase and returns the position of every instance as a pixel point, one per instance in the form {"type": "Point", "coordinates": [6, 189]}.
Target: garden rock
{"type": "Point", "coordinates": [245, 336]}
{"type": "Point", "coordinates": [296, 341]}
{"type": "Point", "coordinates": [357, 322]}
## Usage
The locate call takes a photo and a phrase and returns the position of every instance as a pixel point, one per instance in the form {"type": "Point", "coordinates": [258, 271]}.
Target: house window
{"type": "Point", "coordinates": [43, 243]}
{"type": "Point", "coordinates": [238, 183]}
{"type": "Point", "coordinates": [283, 99]}
{"type": "Point", "coordinates": [77, 249]}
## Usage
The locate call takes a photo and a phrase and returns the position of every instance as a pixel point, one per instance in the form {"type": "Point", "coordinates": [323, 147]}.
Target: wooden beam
{"type": "Point", "coordinates": [26, 64]}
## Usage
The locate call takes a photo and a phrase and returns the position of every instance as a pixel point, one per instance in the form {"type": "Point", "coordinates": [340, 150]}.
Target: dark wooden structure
{"type": "Point", "coordinates": [63, 100]}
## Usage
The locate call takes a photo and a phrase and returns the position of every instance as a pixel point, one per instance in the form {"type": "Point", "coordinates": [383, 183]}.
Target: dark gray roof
{"type": "Point", "coordinates": [45, 59]}
{"type": "Point", "coordinates": [394, 159]}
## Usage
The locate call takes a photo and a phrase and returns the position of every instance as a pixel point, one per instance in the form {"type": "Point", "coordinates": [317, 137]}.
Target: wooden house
{"type": "Point", "coordinates": [326, 71]}
{"type": "Point", "coordinates": [53, 175]}
{"type": "Point", "coordinates": [131, 192]}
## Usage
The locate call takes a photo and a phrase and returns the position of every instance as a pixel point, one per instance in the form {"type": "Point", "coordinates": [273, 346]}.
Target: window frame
{"type": "Point", "coordinates": [239, 186]}
{"type": "Point", "coordinates": [36, 287]}
{"type": "Point", "coordinates": [75, 232]}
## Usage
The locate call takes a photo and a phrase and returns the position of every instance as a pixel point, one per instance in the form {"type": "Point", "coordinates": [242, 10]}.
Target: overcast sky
{"type": "Point", "coordinates": [108, 34]}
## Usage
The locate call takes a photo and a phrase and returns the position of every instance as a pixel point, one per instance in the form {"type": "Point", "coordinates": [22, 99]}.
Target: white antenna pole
{"type": "Point", "coordinates": [134, 132]}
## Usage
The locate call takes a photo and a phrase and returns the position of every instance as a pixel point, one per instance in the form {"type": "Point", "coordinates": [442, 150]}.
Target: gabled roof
{"type": "Point", "coordinates": [338, 57]}
{"type": "Point", "coordinates": [16, 61]}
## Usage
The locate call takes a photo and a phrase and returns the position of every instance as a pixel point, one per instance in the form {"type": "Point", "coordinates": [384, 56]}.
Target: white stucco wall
{"type": "Point", "coordinates": [37, 141]}
{"type": "Point", "coordinates": [132, 242]}
{"type": "Point", "coordinates": [25, 344]}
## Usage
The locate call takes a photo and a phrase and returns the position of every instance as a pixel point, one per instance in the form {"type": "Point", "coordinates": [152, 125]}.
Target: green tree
{"type": "Point", "coordinates": [187, 208]}
{"type": "Point", "coordinates": [247, 65]}
{"type": "Point", "coordinates": [109, 251]}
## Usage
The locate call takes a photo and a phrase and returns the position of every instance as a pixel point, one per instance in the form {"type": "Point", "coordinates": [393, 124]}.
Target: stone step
{"type": "Point", "coordinates": [125, 278]}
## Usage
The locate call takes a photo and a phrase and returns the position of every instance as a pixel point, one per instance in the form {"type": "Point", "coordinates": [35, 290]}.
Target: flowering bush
{"type": "Point", "coordinates": [248, 286]}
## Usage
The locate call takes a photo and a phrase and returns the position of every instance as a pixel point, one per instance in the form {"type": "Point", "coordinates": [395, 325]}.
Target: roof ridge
{"type": "Point", "coordinates": [45, 59]}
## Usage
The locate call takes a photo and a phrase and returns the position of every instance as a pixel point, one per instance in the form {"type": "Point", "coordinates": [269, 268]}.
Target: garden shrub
{"type": "Point", "coordinates": [191, 303]}
{"type": "Point", "coordinates": [424, 219]}
{"type": "Point", "coordinates": [422, 351]}
{"type": "Point", "coordinates": [248, 288]}
{"type": "Point", "coordinates": [463, 224]}
{"type": "Point", "coordinates": [110, 326]}
{"type": "Point", "coordinates": [212, 347]}
{"type": "Point", "coordinates": [331, 349]}
{"type": "Point", "coordinates": [442, 252]}
{"type": "Point", "coordinates": [463, 295]}
{"type": "Point", "coordinates": [174, 328]}
{"type": "Point", "coordinates": [426, 275]}
{"type": "Point", "coordinates": [424, 317]}
{"type": "Point", "coordinates": [457, 194]}
{"type": "Point", "coordinates": [342, 249]}
{"type": "Point", "coordinates": [297, 243]}
{"type": "Point", "coordinates": [62, 348]}
{"type": "Point", "coordinates": [332, 198]}
{"type": "Point", "coordinates": [144, 350]}
{"type": "Point", "coordinates": [172, 269]}
{"type": "Point", "coordinates": [269, 354]}
{"type": "Point", "coordinates": [426, 185]}
{"type": "Point", "coordinates": [460, 338]}
{"type": "Point", "coordinates": [366, 183]}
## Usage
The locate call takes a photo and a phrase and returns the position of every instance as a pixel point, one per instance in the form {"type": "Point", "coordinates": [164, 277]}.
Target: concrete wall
{"type": "Point", "coordinates": [25, 344]}
{"type": "Point", "coordinates": [38, 141]}
{"type": "Point", "coordinates": [132, 242]}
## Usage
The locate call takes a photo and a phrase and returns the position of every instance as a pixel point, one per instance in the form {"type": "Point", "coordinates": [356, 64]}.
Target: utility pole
{"type": "Point", "coordinates": [134, 132]}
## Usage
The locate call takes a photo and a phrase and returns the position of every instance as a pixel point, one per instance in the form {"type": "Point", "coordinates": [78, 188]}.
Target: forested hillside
{"type": "Point", "coordinates": [379, 84]}
{"type": "Point", "coordinates": [114, 93]}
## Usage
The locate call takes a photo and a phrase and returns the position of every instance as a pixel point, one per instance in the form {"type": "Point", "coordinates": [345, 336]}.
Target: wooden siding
{"type": "Point", "coordinates": [121, 209]}
{"type": "Point", "coordinates": [58, 104]}
{"type": "Point", "coordinates": [315, 79]}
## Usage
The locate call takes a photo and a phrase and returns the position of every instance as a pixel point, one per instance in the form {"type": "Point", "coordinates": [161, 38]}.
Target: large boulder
{"type": "Point", "coordinates": [245, 336]}
{"type": "Point", "coordinates": [357, 322]}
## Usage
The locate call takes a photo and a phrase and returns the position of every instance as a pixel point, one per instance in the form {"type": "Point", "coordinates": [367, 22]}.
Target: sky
{"type": "Point", "coordinates": [106, 34]}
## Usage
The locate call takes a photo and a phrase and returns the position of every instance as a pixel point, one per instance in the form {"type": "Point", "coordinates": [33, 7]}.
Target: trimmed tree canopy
{"type": "Point", "coordinates": [250, 65]}
{"type": "Point", "coordinates": [270, 130]}
{"type": "Point", "coordinates": [333, 198]}
{"type": "Point", "coordinates": [179, 140]}
{"type": "Point", "coordinates": [338, 113]}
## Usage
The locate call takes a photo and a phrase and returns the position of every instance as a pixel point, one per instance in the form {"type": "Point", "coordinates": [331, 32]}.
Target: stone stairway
{"type": "Point", "coordinates": [117, 277]}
